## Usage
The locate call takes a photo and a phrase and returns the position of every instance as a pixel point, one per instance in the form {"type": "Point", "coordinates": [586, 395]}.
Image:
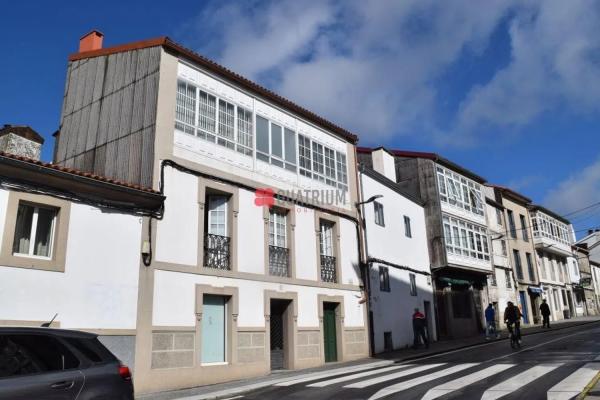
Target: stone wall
{"type": "Point", "coordinates": [355, 342]}
{"type": "Point", "coordinates": [172, 350]}
{"type": "Point", "coordinates": [20, 146]}
{"type": "Point", "coordinates": [308, 345]}
{"type": "Point", "coordinates": [251, 347]}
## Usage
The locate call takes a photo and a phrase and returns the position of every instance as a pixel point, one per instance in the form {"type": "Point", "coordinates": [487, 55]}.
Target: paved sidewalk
{"type": "Point", "coordinates": [455, 344]}
{"type": "Point", "coordinates": [231, 389]}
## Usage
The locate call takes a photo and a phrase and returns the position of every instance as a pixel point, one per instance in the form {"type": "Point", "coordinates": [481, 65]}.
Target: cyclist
{"type": "Point", "coordinates": [512, 316]}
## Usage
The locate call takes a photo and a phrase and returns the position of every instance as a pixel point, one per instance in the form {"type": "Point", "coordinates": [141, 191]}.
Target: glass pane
{"type": "Point", "coordinates": [290, 146]}
{"type": "Point", "coordinates": [262, 135]}
{"type": "Point", "coordinates": [23, 229]}
{"type": "Point", "coordinates": [226, 119]}
{"type": "Point", "coordinates": [276, 141]}
{"type": "Point", "coordinates": [43, 236]}
{"type": "Point", "coordinates": [207, 112]}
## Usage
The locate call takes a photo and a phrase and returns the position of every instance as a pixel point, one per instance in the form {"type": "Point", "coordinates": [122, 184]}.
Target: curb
{"type": "Point", "coordinates": [440, 352]}
{"type": "Point", "coordinates": [589, 389]}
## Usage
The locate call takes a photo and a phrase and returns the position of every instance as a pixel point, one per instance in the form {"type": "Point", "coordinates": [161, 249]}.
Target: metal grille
{"type": "Point", "coordinates": [216, 251]}
{"type": "Point", "coordinates": [279, 260]}
{"type": "Point", "coordinates": [328, 273]}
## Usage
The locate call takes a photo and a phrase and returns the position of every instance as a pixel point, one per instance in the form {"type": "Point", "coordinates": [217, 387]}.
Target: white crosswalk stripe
{"type": "Point", "coordinates": [574, 384]}
{"type": "Point", "coordinates": [518, 381]}
{"type": "Point", "coordinates": [389, 377]}
{"type": "Point", "coordinates": [461, 382]}
{"type": "Point", "coordinates": [356, 376]}
{"type": "Point", "coordinates": [422, 379]}
{"type": "Point", "coordinates": [333, 372]}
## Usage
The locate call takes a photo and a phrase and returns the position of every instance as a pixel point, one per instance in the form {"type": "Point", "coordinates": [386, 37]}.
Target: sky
{"type": "Point", "coordinates": [509, 89]}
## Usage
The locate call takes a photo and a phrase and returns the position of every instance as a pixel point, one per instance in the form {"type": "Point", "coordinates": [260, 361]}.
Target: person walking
{"type": "Point", "coordinates": [545, 310]}
{"type": "Point", "coordinates": [490, 322]}
{"type": "Point", "coordinates": [419, 324]}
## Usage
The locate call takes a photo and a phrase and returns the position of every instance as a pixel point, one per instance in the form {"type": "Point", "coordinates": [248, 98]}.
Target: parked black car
{"type": "Point", "coordinates": [58, 364]}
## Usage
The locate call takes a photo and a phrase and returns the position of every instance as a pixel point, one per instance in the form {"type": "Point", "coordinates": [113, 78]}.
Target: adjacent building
{"type": "Point", "coordinates": [397, 250]}
{"type": "Point", "coordinates": [591, 244]}
{"type": "Point", "coordinates": [518, 239]}
{"type": "Point", "coordinates": [501, 285]}
{"type": "Point", "coordinates": [70, 249]}
{"type": "Point", "coordinates": [553, 236]}
{"type": "Point", "coordinates": [255, 263]}
{"type": "Point", "coordinates": [458, 242]}
{"type": "Point", "coordinates": [583, 287]}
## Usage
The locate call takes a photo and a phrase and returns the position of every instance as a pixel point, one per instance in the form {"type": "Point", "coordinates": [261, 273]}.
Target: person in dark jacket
{"type": "Point", "coordinates": [512, 318]}
{"type": "Point", "coordinates": [419, 325]}
{"type": "Point", "coordinates": [490, 321]}
{"type": "Point", "coordinates": [545, 310]}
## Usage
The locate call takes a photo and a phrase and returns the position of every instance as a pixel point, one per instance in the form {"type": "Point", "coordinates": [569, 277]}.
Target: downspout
{"type": "Point", "coordinates": [364, 259]}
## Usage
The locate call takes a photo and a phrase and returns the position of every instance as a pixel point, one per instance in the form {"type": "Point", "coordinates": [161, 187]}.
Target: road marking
{"type": "Point", "coordinates": [332, 372]}
{"type": "Point", "coordinates": [461, 382]}
{"type": "Point", "coordinates": [399, 387]}
{"type": "Point", "coordinates": [356, 376]}
{"type": "Point", "coordinates": [574, 384]}
{"type": "Point", "coordinates": [518, 381]}
{"type": "Point", "coordinates": [270, 382]}
{"type": "Point", "coordinates": [374, 381]}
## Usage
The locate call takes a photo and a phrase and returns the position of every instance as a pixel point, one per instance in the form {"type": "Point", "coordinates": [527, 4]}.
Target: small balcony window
{"type": "Point", "coordinates": [279, 253]}
{"type": "Point", "coordinates": [328, 261]}
{"type": "Point", "coordinates": [216, 240]}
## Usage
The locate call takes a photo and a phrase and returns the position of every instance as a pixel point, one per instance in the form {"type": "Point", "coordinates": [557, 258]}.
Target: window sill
{"type": "Point", "coordinates": [215, 364]}
{"type": "Point", "coordinates": [29, 262]}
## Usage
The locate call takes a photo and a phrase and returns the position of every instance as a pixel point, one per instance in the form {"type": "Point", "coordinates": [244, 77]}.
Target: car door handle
{"type": "Point", "coordinates": [63, 385]}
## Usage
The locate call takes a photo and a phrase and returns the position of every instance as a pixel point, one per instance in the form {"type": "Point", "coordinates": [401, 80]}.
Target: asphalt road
{"type": "Point", "coordinates": [553, 365]}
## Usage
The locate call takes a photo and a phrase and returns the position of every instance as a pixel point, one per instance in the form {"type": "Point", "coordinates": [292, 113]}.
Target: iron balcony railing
{"type": "Point", "coordinates": [328, 273]}
{"type": "Point", "coordinates": [216, 251]}
{"type": "Point", "coordinates": [279, 261]}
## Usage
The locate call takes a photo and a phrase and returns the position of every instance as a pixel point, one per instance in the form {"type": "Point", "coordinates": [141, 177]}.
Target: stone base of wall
{"type": "Point", "coordinates": [355, 343]}
{"type": "Point", "coordinates": [251, 347]}
{"type": "Point", "coordinates": [172, 350]}
{"type": "Point", "coordinates": [123, 347]}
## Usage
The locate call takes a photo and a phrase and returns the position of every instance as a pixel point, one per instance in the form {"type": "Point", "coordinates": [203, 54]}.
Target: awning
{"type": "Point", "coordinates": [534, 289]}
{"type": "Point", "coordinates": [454, 281]}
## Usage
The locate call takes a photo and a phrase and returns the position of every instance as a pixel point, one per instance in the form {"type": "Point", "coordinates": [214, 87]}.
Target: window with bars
{"type": "Point", "coordinates": [217, 241]}
{"type": "Point", "coordinates": [278, 243]}
{"type": "Point", "coordinates": [328, 260]}
{"type": "Point", "coordinates": [384, 279]}
{"type": "Point", "coordinates": [213, 119]}
{"type": "Point", "coordinates": [34, 230]}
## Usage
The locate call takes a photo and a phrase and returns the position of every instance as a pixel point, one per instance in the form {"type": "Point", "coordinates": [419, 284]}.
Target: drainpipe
{"type": "Point", "coordinates": [364, 262]}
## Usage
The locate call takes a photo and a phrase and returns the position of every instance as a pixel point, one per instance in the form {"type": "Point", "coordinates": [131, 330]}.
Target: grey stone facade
{"type": "Point", "coordinates": [20, 146]}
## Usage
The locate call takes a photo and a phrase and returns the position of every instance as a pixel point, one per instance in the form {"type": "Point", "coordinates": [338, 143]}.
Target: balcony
{"type": "Point", "coordinates": [216, 251]}
{"type": "Point", "coordinates": [328, 272]}
{"type": "Point", "coordinates": [279, 261]}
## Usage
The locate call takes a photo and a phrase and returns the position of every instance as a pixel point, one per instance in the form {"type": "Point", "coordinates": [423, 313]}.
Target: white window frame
{"type": "Point", "coordinates": [407, 227]}
{"type": "Point", "coordinates": [278, 228]}
{"type": "Point", "coordinates": [211, 210]}
{"type": "Point", "coordinates": [472, 242]}
{"type": "Point", "coordinates": [326, 238]}
{"type": "Point", "coordinates": [33, 232]}
{"type": "Point", "coordinates": [459, 191]}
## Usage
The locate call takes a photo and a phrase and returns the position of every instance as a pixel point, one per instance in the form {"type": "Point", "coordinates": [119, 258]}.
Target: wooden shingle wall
{"type": "Point", "coordinates": [108, 115]}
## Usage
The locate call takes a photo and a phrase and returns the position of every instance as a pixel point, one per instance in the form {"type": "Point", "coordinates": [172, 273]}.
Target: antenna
{"type": "Point", "coordinates": [47, 324]}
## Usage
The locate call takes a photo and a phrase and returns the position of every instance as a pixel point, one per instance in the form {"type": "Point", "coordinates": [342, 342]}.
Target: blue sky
{"type": "Point", "coordinates": [509, 89]}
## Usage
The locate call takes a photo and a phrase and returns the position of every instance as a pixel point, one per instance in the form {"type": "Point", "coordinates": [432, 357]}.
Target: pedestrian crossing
{"type": "Point", "coordinates": [491, 380]}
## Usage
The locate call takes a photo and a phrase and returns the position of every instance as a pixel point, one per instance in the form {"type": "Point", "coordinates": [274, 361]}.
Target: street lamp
{"type": "Point", "coordinates": [369, 200]}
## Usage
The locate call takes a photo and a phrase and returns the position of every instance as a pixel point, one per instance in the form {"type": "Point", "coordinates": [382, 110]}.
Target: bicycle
{"type": "Point", "coordinates": [514, 335]}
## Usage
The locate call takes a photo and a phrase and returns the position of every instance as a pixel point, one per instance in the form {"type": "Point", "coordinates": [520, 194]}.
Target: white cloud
{"type": "Point", "coordinates": [372, 65]}
{"type": "Point", "coordinates": [578, 191]}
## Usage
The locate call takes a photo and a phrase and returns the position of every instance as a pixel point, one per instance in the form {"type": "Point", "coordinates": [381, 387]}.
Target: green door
{"type": "Point", "coordinates": [329, 334]}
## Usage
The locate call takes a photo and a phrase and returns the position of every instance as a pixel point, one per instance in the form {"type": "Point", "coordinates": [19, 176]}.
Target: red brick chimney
{"type": "Point", "coordinates": [91, 41]}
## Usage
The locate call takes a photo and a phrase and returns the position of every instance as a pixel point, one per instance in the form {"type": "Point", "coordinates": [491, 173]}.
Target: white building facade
{"type": "Point", "coordinates": [398, 256]}
{"type": "Point", "coordinates": [553, 237]}
{"type": "Point", "coordinates": [255, 263]}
